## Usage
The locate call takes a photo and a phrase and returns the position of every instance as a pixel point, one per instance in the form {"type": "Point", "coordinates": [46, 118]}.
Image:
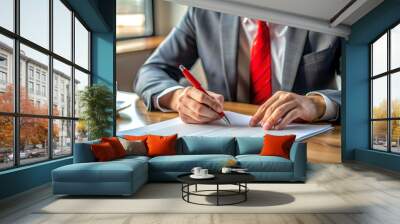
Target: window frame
{"type": "Point", "coordinates": [388, 74]}
{"type": "Point", "coordinates": [3, 69]}
{"type": "Point", "coordinates": [150, 11]}
{"type": "Point", "coordinates": [16, 115]}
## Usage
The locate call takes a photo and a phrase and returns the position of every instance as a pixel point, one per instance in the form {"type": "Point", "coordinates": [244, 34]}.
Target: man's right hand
{"type": "Point", "coordinates": [194, 106]}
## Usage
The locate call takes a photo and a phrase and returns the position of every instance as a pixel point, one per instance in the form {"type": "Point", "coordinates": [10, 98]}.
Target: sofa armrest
{"type": "Point", "coordinates": [83, 152]}
{"type": "Point", "coordinates": [298, 155]}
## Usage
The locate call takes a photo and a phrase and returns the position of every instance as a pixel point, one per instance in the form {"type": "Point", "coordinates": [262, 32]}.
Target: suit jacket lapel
{"type": "Point", "coordinates": [296, 39]}
{"type": "Point", "coordinates": [229, 47]}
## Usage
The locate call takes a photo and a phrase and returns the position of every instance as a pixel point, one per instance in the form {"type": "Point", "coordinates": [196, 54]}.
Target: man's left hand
{"type": "Point", "coordinates": [285, 107]}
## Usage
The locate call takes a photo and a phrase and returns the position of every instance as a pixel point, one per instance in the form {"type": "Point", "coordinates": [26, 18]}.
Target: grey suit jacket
{"type": "Point", "coordinates": [311, 64]}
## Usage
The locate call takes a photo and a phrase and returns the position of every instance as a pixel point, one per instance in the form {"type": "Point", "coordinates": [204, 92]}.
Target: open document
{"type": "Point", "coordinates": [239, 128]}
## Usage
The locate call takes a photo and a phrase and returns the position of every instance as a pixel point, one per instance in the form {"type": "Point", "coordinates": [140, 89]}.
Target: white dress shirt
{"type": "Point", "coordinates": [278, 40]}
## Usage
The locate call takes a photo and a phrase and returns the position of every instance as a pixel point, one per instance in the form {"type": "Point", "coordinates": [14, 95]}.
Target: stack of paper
{"type": "Point", "coordinates": [239, 128]}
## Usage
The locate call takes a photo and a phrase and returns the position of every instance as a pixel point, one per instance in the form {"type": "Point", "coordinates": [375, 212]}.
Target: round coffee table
{"type": "Point", "coordinates": [238, 179]}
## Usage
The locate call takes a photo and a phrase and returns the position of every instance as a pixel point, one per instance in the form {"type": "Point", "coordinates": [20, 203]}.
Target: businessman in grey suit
{"type": "Point", "coordinates": [298, 81]}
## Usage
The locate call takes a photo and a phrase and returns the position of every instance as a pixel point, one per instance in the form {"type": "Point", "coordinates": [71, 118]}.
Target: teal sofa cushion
{"type": "Point", "coordinates": [130, 159]}
{"type": "Point", "coordinates": [118, 177]}
{"type": "Point", "coordinates": [257, 163]}
{"type": "Point", "coordinates": [249, 145]}
{"type": "Point", "coordinates": [118, 170]}
{"type": "Point", "coordinates": [185, 163]}
{"type": "Point", "coordinates": [197, 145]}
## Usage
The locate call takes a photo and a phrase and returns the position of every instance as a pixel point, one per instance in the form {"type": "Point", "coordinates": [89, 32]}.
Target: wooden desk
{"type": "Point", "coordinates": [324, 148]}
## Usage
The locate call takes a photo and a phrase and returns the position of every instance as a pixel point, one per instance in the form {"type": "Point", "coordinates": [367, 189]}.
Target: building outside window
{"type": "Point", "coordinates": [52, 134]}
{"type": "Point", "coordinates": [3, 78]}
{"type": "Point", "coordinates": [134, 18]}
{"type": "Point", "coordinates": [43, 90]}
{"type": "Point", "coordinates": [3, 61]}
{"type": "Point", "coordinates": [30, 87]}
{"type": "Point", "coordinates": [385, 92]}
{"type": "Point", "coordinates": [30, 72]}
{"type": "Point", "coordinates": [37, 74]}
{"type": "Point", "coordinates": [3, 72]}
{"type": "Point", "coordinates": [38, 89]}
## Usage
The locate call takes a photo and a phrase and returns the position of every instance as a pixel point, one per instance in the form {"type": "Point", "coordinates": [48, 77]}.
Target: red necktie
{"type": "Point", "coordinates": [260, 65]}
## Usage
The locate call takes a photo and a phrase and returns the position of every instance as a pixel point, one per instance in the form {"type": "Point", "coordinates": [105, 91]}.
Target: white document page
{"type": "Point", "coordinates": [239, 128]}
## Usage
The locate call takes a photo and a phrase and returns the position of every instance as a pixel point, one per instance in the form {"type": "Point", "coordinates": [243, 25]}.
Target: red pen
{"type": "Point", "coordinates": [198, 86]}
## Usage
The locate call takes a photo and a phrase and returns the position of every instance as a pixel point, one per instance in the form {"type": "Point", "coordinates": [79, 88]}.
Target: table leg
{"type": "Point", "coordinates": [182, 188]}
{"type": "Point", "coordinates": [217, 194]}
{"type": "Point", "coordinates": [195, 188]}
{"type": "Point", "coordinates": [188, 189]}
{"type": "Point", "coordinates": [245, 191]}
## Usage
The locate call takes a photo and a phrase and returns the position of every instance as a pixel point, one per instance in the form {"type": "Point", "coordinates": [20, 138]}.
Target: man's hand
{"type": "Point", "coordinates": [194, 106]}
{"type": "Point", "coordinates": [284, 107]}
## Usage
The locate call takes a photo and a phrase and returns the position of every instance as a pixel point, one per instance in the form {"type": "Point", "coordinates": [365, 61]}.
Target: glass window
{"type": "Point", "coordinates": [3, 61]}
{"type": "Point", "coordinates": [385, 125]}
{"type": "Point", "coordinates": [395, 47]}
{"type": "Point", "coordinates": [395, 136]}
{"type": "Point", "coordinates": [81, 131]}
{"type": "Point", "coordinates": [30, 71]}
{"type": "Point", "coordinates": [37, 90]}
{"type": "Point", "coordinates": [379, 135]}
{"type": "Point", "coordinates": [3, 78]}
{"type": "Point", "coordinates": [62, 29]}
{"type": "Point", "coordinates": [395, 95]}
{"type": "Point", "coordinates": [81, 45]}
{"type": "Point", "coordinates": [81, 82]}
{"type": "Point", "coordinates": [6, 142]}
{"type": "Point", "coordinates": [62, 138]}
{"type": "Point", "coordinates": [7, 14]}
{"type": "Point", "coordinates": [30, 87]}
{"type": "Point", "coordinates": [62, 71]}
{"type": "Point", "coordinates": [34, 53]}
{"type": "Point", "coordinates": [134, 18]}
{"type": "Point", "coordinates": [7, 74]}
{"type": "Point", "coordinates": [379, 56]}
{"type": "Point", "coordinates": [40, 62]}
{"type": "Point", "coordinates": [379, 97]}
{"type": "Point", "coordinates": [35, 21]}
{"type": "Point", "coordinates": [44, 91]}
{"type": "Point", "coordinates": [37, 74]}
{"type": "Point", "coordinates": [33, 139]}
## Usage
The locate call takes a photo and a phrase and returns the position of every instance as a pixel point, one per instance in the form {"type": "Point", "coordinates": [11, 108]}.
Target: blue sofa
{"type": "Point", "coordinates": [125, 176]}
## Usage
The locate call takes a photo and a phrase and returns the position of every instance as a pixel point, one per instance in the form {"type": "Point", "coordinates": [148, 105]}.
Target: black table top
{"type": "Point", "coordinates": [220, 178]}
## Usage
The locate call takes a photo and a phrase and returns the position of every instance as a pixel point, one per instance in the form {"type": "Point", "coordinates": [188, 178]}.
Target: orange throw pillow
{"type": "Point", "coordinates": [116, 145]}
{"type": "Point", "coordinates": [136, 138]}
{"type": "Point", "coordinates": [277, 145]}
{"type": "Point", "coordinates": [161, 145]}
{"type": "Point", "coordinates": [103, 152]}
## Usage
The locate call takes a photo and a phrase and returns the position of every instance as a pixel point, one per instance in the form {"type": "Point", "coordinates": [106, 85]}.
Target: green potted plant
{"type": "Point", "coordinates": [96, 104]}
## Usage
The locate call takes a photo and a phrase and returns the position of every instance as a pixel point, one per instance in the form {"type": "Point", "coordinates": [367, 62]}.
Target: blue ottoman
{"type": "Point", "coordinates": [118, 177]}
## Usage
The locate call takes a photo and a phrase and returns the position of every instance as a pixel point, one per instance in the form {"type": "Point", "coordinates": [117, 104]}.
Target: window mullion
{"type": "Point", "coordinates": [16, 84]}
{"type": "Point", "coordinates": [50, 81]}
{"type": "Point", "coordinates": [371, 89]}
{"type": "Point", "coordinates": [73, 82]}
{"type": "Point", "coordinates": [389, 113]}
